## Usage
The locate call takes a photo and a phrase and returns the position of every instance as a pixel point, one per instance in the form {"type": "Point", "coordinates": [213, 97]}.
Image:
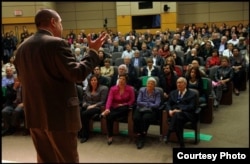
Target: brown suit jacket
{"type": "Point", "coordinates": [48, 72]}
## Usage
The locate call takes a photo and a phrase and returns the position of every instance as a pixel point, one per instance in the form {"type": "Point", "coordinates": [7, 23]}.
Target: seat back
{"type": "Point", "coordinates": [179, 70]}
{"type": "Point", "coordinates": [195, 125]}
{"type": "Point", "coordinates": [116, 55]}
{"type": "Point", "coordinates": [207, 108]}
{"type": "Point", "coordinates": [212, 71]}
{"type": "Point", "coordinates": [144, 79]}
{"type": "Point", "coordinates": [79, 90]}
{"type": "Point", "coordinates": [138, 71]}
{"type": "Point", "coordinates": [180, 54]}
{"type": "Point", "coordinates": [119, 61]}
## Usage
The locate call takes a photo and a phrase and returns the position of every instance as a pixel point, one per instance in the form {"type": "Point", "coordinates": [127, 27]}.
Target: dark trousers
{"type": "Point", "coordinates": [142, 121]}
{"type": "Point", "coordinates": [86, 115]}
{"type": "Point", "coordinates": [238, 78]}
{"type": "Point", "coordinates": [113, 115]}
{"type": "Point", "coordinates": [7, 115]}
{"type": "Point", "coordinates": [55, 146]}
{"type": "Point", "coordinates": [177, 123]}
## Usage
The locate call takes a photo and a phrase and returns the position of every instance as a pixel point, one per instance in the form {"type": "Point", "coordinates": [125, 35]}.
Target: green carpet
{"type": "Point", "coordinates": [204, 137]}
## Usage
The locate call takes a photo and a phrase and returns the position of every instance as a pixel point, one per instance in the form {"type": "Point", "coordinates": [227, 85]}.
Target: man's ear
{"type": "Point", "coordinates": [53, 22]}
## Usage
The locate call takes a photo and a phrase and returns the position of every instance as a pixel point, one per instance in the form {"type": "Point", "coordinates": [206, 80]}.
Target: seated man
{"type": "Point", "coordinates": [13, 109]}
{"type": "Point", "coordinates": [181, 107]}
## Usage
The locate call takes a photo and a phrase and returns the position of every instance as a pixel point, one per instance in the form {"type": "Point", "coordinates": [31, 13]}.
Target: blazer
{"type": "Point", "coordinates": [120, 49]}
{"type": "Point", "coordinates": [99, 97]}
{"type": "Point", "coordinates": [141, 61]}
{"type": "Point", "coordinates": [187, 104]}
{"type": "Point", "coordinates": [154, 72]}
{"type": "Point", "coordinates": [149, 101]}
{"type": "Point", "coordinates": [48, 72]}
{"type": "Point", "coordinates": [177, 48]}
{"type": "Point", "coordinates": [224, 73]}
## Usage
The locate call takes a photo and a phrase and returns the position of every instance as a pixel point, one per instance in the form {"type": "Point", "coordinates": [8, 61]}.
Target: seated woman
{"type": "Point", "coordinates": [164, 51]}
{"type": "Point", "coordinates": [148, 98]}
{"type": "Point", "coordinates": [107, 69]}
{"type": "Point", "coordinates": [120, 98]}
{"type": "Point", "coordinates": [238, 63]}
{"type": "Point", "coordinates": [150, 69]}
{"type": "Point", "coordinates": [213, 60]}
{"type": "Point", "coordinates": [178, 60]}
{"type": "Point", "coordinates": [223, 75]}
{"type": "Point", "coordinates": [194, 81]}
{"type": "Point", "coordinates": [171, 61]}
{"type": "Point", "coordinates": [94, 98]}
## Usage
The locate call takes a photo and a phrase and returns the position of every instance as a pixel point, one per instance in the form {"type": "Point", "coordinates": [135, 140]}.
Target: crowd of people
{"type": "Point", "coordinates": [173, 61]}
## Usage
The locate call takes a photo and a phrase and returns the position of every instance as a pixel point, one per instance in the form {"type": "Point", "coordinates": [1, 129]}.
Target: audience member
{"type": "Point", "coordinates": [181, 107]}
{"type": "Point", "coordinates": [223, 75]}
{"type": "Point", "coordinates": [213, 60]}
{"type": "Point", "coordinates": [238, 63]}
{"type": "Point", "coordinates": [148, 102]}
{"type": "Point", "coordinates": [107, 69]}
{"type": "Point", "coordinates": [167, 80]}
{"type": "Point", "coordinates": [120, 98]}
{"type": "Point", "coordinates": [93, 99]}
{"type": "Point", "coordinates": [195, 81]}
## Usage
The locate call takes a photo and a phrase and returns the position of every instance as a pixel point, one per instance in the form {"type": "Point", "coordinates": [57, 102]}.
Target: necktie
{"type": "Point", "coordinates": [180, 95]}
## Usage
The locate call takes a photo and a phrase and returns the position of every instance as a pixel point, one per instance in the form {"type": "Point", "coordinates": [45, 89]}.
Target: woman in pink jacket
{"type": "Point", "coordinates": [120, 98]}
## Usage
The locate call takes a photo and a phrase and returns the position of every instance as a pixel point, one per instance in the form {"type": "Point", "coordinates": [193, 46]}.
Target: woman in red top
{"type": "Point", "coordinates": [120, 98]}
{"type": "Point", "coordinates": [164, 51]}
{"type": "Point", "coordinates": [213, 60]}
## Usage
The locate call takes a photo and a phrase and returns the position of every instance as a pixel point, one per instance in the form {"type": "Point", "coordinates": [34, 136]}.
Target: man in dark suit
{"type": "Point", "coordinates": [48, 72]}
{"type": "Point", "coordinates": [181, 107]}
{"type": "Point", "coordinates": [137, 60]}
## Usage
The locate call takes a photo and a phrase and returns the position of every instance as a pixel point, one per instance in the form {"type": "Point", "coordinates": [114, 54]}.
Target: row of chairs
{"type": "Point", "coordinates": [162, 121]}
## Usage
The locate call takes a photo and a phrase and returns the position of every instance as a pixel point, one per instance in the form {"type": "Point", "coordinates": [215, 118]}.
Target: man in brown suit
{"type": "Point", "coordinates": [48, 72]}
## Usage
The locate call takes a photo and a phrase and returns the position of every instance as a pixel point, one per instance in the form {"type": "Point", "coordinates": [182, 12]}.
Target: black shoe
{"type": "Point", "coordinates": [8, 131]}
{"type": "Point", "coordinates": [84, 139]}
{"type": "Point", "coordinates": [26, 132]}
{"type": "Point", "coordinates": [165, 139]}
{"type": "Point", "coordinates": [4, 132]}
{"type": "Point", "coordinates": [110, 141]}
{"type": "Point", "coordinates": [140, 144]}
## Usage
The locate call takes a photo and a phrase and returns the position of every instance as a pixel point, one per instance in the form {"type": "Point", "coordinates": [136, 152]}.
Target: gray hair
{"type": "Point", "coordinates": [124, 67]}
{"type": "Point", "coordinates": [152, 79]}
{"type": "Point", "coordinates": [183, 79]}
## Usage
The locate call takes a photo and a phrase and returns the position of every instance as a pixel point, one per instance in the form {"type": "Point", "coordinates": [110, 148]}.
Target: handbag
{"type": "Point", "coordinates": [145, 109]}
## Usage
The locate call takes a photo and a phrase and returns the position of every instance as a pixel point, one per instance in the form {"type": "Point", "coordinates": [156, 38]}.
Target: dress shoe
{"type": "Point", "coordinates": [8, 131]}
{"type": "Point", "coordinates": [84, 139]}
{"type": "Point", "coordinates": [140, 144]}
{"type": "Point", "coordinates": [26, 132]}
{"type": "Point", "coordinates": [110, 141]}
{"type": "Point", "coordinates": [236, 91]}
{"type": "Point", "coordinates": [4, 132]}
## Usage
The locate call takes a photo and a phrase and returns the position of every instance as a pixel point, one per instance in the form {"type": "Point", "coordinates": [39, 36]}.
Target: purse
{"type": "Point", "coordinates": [145, 109]}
